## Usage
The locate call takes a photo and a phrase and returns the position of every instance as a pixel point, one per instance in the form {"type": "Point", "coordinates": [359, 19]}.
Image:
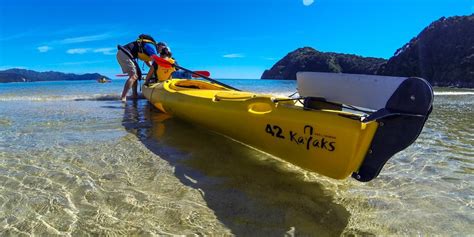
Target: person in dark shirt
{"type": "Point", "coordinates": [127, 55]}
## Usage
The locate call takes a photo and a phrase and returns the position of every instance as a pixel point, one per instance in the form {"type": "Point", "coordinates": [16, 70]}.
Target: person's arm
{"type": "Point", "coordinates": [150, 74]}
{"type": "Point", "coordinates": [150, 50]}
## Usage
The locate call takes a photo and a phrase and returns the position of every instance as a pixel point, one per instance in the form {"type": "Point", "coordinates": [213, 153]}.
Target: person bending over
{"type": "Point", "coordinates": [127, 55]}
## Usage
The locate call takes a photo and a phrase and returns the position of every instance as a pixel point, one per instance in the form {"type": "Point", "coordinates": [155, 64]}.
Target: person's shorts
{"type": "Point", "coordinates": [127, 65]}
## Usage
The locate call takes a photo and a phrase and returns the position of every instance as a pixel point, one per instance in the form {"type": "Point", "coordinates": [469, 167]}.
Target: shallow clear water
{"type": "Point", "coordinates": [74, 160]}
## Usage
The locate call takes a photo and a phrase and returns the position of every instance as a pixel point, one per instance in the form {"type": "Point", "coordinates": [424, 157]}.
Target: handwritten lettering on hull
{"type": "Point", "coordinates": [307, 139]}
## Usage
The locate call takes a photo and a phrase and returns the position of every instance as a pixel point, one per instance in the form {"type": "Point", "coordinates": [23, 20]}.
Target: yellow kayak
{"type": "Point", "coordinates": [328, 141]}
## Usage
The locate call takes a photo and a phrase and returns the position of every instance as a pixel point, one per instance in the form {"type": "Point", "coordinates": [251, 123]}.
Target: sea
{"type": "Point", "coordinates": [75, 161]}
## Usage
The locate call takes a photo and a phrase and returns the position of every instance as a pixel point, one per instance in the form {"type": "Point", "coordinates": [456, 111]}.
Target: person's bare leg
{"type": "Point", "coordinates": [127, 86]}
{"type": "Point", "coordinates": [135, 89]}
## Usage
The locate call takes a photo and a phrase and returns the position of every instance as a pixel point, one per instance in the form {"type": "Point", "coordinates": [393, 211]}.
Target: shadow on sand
{"type": "Point", "coordinates": [251, 193]}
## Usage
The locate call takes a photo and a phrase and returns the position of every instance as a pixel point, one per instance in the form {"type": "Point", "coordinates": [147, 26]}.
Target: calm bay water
{"type": "Point", "coordinates": [74, 160]}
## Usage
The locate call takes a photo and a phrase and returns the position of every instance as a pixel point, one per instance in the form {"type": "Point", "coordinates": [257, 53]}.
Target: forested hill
{"type": "Point", "coordinates": [23, 75]}
{"type": "Point", "coordinates": [309, 59]}
{"type": "Point", "coordinates": [442, 53]}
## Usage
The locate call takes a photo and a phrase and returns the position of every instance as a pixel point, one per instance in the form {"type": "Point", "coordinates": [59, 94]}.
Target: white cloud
{"type": "Point", "coordinates": [308, 2]}
{"type": "Point", "coordinates": [78, 51]}
{"type": "Point", "coordinates": [44, 49]}
{"type": "Point", "coordinates": [233, 55]}
{"type": "Point", "coordinates": [83, 39]}
{"type": "Point", "coordinates": [21, 35]}
{"type": "Point", "coordinates": [106, 51]}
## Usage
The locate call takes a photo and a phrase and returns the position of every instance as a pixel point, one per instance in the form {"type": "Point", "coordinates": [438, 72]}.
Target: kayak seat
{"type": "Point", "coordinates": [233, 95]}
{"type": "Point", "coordinates": [190, 86]}
{"type": "Point", "coordinates": [194, 84]}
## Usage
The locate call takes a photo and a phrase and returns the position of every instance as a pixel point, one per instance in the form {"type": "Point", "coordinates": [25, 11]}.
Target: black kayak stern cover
{"type": "Point", "coordinates": [400, 124]}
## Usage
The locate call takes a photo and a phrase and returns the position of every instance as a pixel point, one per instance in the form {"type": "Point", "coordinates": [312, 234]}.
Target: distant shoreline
{"type": "Point", "coordinates": [23, 75]}
{"type": "Point", "coordinates": [5, 82]}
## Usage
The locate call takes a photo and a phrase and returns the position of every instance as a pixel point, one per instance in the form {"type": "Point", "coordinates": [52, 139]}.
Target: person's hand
{"type": "Point", "coordinates": [148, 63]}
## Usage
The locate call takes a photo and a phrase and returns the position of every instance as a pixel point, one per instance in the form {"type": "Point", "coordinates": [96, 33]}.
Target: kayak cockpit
{"type": "Point", "coordinates": [179, 85]}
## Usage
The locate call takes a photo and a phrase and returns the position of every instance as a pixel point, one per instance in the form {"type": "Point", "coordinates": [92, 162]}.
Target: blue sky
{"type": "Point", "coordinates": [231, 39]}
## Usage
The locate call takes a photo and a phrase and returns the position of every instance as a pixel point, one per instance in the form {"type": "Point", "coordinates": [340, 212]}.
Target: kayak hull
{"type": "Point", "coordinates": [330, 142]}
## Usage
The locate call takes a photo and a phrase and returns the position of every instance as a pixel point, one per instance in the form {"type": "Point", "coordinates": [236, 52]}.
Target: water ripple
{"type": "Point", "coordinates": [90, 165]}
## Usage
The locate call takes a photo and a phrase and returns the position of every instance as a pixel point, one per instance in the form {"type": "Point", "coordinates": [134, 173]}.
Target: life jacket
{"type": "Point", "coordinates": [137, 49]}
{"type": "Point", "coordinates": [163, 73]}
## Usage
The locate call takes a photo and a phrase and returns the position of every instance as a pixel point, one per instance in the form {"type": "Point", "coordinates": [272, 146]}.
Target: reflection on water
{"type": "Point", "coordinates": [249, 192]}
{"type": "Point", "coordinates": [74, 161]}
{"type": "Point", "coordinates": [93, 168]}
{"type": "Point", "coordinates": [426, 188]}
